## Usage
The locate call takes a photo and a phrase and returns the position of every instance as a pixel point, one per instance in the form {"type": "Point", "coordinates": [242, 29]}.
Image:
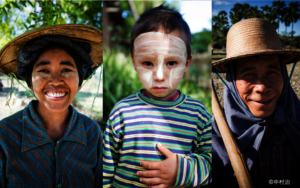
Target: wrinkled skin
{"type": "Point", "coordinates": [259, 82]}
{"type": "Point", "coordinates": [55, 83]}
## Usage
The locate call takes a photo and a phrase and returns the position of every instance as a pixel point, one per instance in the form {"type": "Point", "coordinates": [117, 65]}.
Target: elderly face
{"type": "Point", "coordinates": [259, 83]}
{"type": "Point", "coordinates": [55, 80]}
{"type": "Point", "coordinates": [160, 60]}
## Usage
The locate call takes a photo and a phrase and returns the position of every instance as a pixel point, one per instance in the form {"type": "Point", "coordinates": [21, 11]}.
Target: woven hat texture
{"type": "Point", "coordinates": [83, 33]}
{"type": "Point", "coordinates": [252, 37]}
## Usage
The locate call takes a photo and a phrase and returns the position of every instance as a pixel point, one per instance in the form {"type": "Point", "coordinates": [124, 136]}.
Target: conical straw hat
{"type": "Point", "coordinates": [252, 37]}
{"type": "Point", "coordinates": [85, 33]}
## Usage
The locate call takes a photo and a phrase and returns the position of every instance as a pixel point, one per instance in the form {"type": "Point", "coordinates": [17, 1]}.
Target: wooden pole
{"type": "Point", "coordinates": [236, 158]}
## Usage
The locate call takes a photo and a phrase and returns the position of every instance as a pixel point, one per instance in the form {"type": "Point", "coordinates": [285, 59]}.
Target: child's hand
{"type": "Point", "coordinates": [160, 174]}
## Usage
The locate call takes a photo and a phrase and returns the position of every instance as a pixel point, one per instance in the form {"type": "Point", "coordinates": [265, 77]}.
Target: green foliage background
{"type": "Point", "coordinates": [120, 79]}
{"type": "Point", "coordinates": [18, 16]}
{"type": "Point", "coordinates": [21, 16]}
{"type": "Point", "coordinates": [287, 12]}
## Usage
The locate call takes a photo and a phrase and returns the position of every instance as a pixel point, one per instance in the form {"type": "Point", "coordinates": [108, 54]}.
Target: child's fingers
{"type": "Point", "coordinates": [151, 165]}
{"type": "Point", "coordinates": [148, 173]}
{"type": "Point", "coordinates": [151, 181]}
{"type": "Point", "coordinates": [164, 150]}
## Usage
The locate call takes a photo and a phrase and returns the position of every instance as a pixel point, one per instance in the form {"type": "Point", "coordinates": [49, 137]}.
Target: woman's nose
{"type": "Point", "coordinates": [262, 85]}
{"type": "Point", "coordinates": [56, 78]}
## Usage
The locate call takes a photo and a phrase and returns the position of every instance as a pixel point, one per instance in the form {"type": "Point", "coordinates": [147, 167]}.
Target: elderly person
{"type": "Point", "coordinates": [260, 106]}
{"type": "Point", "coordinates": [49, 143]}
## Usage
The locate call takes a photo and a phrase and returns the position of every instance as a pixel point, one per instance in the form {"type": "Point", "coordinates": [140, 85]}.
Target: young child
{"type": "Point", "coordinates": [158, 136]}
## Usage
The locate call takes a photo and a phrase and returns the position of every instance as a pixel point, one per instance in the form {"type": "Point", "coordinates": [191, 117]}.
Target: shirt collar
{"type": "Point", "coordinates": [162, 104]}
{"type": "Point", "coordinates": [173, 98]}
{"type": "Point", "coordinates": [34, 133]}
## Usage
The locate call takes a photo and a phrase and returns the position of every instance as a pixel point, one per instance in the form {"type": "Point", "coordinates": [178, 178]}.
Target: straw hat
{"type": "Point", "coordinates": [252, 37]}
{"type": "Point", "coordinates": [85, 33]}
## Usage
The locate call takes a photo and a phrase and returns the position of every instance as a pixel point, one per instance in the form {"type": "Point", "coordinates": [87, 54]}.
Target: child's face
{"type": "Point", "coordinates": [160, 60]}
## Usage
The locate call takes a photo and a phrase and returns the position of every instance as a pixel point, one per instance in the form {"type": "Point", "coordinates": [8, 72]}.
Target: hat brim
{"type": "Point", "coordinates": [220, 66]}
{"type": "Point", "coordinates": [85, 33]}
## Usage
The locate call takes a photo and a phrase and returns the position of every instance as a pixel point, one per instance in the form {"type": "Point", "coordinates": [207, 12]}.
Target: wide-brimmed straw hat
{"type": "Point", "coordinates": [252, 37]}
{"type": "Point", "coordinates": [85, 33]}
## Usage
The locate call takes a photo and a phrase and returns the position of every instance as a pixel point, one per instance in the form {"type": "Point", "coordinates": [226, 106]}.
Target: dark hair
{"type": "Point", "coordinates": [163, 17]}
{"type": "Point", "coordinates": [55, 46]}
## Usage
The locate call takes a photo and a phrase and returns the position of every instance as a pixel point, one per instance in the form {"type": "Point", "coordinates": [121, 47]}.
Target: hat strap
{"type": "Point", "coordinates": [288, 81]}
{"type": "Point", "coordinates": [213, 70]}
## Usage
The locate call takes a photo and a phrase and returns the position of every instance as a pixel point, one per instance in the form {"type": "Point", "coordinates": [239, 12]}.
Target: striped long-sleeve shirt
{"type": "Point", "coordinates": [137, 123]}
{"type": "Point", "coordinates": [30, 158]}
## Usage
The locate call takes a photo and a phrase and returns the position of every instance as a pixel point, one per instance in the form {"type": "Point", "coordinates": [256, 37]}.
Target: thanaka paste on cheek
{"type": "Point", "coordinates": [176, 75]}
{"type": "Point", "coordinates": [68, 74]}
{"type": "Point", "coordinates": [38, 78]}
{"type": "Point", "coordinates": [145, 76]}
{"type": "Point", "coordinates": [164, 47]}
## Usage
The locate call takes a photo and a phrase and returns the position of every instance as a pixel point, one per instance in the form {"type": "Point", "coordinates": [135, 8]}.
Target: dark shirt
{"type": "Point", "coordinates": [276, 163]}
{"type": "Point", "coordinates": [30, 158]}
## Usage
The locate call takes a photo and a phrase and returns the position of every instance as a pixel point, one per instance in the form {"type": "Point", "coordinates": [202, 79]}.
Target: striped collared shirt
{"type": "Point", "coordinates": [30, 158]}
{"type": "Point", "coordinates": [137, 123]}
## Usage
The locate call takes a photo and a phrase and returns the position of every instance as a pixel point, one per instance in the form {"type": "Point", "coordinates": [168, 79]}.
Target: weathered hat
{"type": "Point", "coordinates": [76, 32]}
{"type": "Point", "coordinates": [252, 37]}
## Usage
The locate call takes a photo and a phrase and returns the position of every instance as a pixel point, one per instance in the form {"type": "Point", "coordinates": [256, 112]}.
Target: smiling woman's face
{"type": "Point", "coordinates": [259, 82]}
{"type": "Point", "coordinates": [55, 80]}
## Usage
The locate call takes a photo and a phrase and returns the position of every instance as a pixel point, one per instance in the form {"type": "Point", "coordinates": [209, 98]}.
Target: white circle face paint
{"type": "Point", "coordinates": [160, 60]}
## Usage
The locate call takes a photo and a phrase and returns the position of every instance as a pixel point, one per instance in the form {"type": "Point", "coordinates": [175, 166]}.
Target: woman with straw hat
{"type": "Point", "coordinates": [49, 143]}
{"type": "Point", "coordinates": [260, 106]}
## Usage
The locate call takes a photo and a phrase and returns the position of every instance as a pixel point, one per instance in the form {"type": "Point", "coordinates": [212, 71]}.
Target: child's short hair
{"type": "Point", "coordinates": [163, 17]}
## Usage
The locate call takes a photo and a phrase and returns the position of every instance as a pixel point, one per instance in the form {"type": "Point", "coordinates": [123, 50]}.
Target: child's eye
{"type": "Point", "coordinates": [171, 63]}
{"type": "Point", "coordinates": [66, 70]}
{"type": "Point", "coordinates": [147, 63]}
{"type": "Point", "coordinates": [44, 70]}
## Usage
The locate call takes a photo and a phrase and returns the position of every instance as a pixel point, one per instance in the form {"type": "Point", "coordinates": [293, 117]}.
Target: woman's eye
{"type": "Point", "coordinates": [66, 70]}
{"type": "Point", "coordinates": [172, 63]}
{"type": "Point", "coordinates": [44, 70]}
{"type": "Point", "coordinates": [273, 72]}
{"type": "Point", "coordinates": [147, 63]}
{"type": "Point", "coordinates": [250, 74]}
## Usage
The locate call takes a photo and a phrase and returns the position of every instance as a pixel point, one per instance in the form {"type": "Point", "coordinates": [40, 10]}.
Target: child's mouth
{"type": "Point", "coordinates": [159, 89]}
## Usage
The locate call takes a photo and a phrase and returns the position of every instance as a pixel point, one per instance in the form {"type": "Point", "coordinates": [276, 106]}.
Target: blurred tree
{"type": "Point", "coordinates": [220, 27]}
{"type": "Point", "coordinates": [278, 10]}
{"type": "Point", "coordinates": [237, 13]}
{"type": "Point", "coordinates": [119, 19]}
{"type": "Point", "coordinates": [286, 19]}
{"type": "Point", "coordinates": [20, 16]}
{"type": "Point", "coordinates": [294, 8]}
{"type": "Point", "coordinates": [269, 14]}
{"type": "Point", "coordinates": [200, 41]}
{"type": "Point", "coordinates": [253, 12]}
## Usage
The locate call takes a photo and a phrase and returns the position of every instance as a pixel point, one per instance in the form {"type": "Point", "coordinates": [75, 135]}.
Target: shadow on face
{"type": "Point", "coordinates": [259, 82]}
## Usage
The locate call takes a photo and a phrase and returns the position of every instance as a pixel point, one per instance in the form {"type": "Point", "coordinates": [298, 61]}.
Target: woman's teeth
{"type": "Point", "coordinates": [56, 94]}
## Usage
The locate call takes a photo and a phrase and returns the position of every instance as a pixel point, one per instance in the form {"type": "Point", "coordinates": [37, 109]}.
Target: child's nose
{"type": "Point", "coordinates": [159, 74]}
